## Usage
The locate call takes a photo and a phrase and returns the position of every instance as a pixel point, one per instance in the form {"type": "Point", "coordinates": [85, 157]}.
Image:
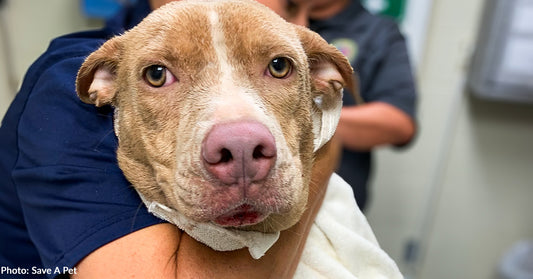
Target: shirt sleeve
{"type": "Point", "coordinates": [385, 69]}
{"type": "Point", "coordinates": [73, 195]}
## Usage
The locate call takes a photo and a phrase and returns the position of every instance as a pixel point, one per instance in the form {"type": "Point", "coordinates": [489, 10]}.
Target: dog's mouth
{"type": "Point", "coordinates": [240, 216]}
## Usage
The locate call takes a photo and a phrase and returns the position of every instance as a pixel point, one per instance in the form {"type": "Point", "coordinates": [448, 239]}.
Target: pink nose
{"type": "Point", "coordinates": [239, 152]}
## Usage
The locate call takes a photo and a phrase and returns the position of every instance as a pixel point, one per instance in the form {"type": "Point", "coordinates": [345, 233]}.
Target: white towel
{"type": "Point", "coordinates": [340, 245]}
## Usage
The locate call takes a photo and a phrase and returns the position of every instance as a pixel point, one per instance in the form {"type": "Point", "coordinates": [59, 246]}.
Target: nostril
{"type": "Point", "coordinates": [241, 151]}
{"type": "Point", "coordinates": [225, 156]}
{"type": "Point", "coordinates": [259, 152]}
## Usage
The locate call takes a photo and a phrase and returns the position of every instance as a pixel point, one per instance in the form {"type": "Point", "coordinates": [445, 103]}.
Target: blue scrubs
{"type": "Point", "coordinates": [62, 194]}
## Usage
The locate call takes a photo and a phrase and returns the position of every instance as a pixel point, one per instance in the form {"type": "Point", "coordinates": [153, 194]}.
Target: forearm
{"type": "Point", "coordinates": [366, 126]}
{"type": "Point", "coordinates": [146, 253]}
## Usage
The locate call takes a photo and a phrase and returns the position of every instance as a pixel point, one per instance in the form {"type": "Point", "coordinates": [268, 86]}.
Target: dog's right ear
{"type": "Point", "coordinates": [95, 83]}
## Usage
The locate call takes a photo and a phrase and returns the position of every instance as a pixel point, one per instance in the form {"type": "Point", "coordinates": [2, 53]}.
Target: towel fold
{"type": "Point", "coordinates": [341, 244]}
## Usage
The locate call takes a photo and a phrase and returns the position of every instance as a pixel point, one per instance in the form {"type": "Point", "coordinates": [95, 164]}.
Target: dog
{"type": "Point", "coordinates": [220, 108]}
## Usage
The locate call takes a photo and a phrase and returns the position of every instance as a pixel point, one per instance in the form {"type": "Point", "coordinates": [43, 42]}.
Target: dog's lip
{"type": "Point", "coordinates": [243, 215]}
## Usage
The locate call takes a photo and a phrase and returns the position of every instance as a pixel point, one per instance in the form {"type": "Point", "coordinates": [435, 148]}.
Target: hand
{"type": "Point", "coordinates": [366, 126]}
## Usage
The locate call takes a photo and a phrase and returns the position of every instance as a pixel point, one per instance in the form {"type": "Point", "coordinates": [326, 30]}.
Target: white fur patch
{"type": "Point", "coordinates": [221, 50]}
{"type": "Point", "coordinates": [234, 101]}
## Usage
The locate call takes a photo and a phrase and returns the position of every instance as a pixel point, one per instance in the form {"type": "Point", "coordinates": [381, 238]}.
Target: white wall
{"type": "Point", "coordinates": [31, 24]}
{"type": "Point", "coordinates": [470, 171]}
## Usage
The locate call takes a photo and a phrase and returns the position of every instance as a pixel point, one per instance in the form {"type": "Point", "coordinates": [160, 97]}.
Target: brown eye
{"type": "Point", "coordinates": [156, 75]}
{"type": "Point", "coordinates": [279, 67]}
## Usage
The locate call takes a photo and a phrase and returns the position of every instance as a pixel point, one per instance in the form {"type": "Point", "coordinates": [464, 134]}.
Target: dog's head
{"type": "Point", "coordinates": [219, 108]}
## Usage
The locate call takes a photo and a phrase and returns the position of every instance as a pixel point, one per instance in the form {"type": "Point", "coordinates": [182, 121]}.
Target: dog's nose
{"type": "Point", "coordinates": [239, 152]}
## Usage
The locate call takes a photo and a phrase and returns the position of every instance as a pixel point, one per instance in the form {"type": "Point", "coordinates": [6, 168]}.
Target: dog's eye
{"type": "Point", "coordinates": [158, 76]}
{"type": "Point", "coordinates": [280, 67]}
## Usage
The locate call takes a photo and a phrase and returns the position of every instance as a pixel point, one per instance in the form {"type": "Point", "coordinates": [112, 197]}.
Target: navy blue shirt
{"type": "Point", "coordinates": [62, 194]}
{"type": "Point", "coordinates": [378, 53]}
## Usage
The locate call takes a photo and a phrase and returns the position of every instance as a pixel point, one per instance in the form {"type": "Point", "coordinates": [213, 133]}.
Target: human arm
{"type": "Point", "coordinates": [163, 251]}
{"type": "Point", "coordinates": [387, 87]}
{"type": "Point", "coordinates": [368, 125]}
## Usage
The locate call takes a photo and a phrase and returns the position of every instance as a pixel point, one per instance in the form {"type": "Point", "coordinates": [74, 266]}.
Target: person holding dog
{"type": "Point", "coordinates": [69, 209]}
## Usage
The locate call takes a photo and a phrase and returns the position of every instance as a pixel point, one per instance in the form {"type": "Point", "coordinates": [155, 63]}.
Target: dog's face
{"type": "Point", "coordinates": [220, 106]}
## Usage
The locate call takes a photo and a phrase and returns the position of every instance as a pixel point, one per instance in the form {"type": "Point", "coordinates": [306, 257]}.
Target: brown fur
{"type": "Point", "coordinates": [160, 130]}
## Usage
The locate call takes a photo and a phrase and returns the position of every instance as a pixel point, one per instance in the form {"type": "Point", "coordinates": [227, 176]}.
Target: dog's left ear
{"type": "Point", "coordinates": [330, 73]}
{"type": "Point", "coordinates": [95, 83]}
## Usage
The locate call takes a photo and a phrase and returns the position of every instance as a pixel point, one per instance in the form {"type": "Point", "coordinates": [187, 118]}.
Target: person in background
{"type": "Point", "coordinates": [65, 204]}
{"type": "Point", "coordinates": [378, 53]}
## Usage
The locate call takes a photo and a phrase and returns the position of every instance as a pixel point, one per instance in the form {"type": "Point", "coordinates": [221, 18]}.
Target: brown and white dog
{"type": "Point", "coordinates": [220, 108]}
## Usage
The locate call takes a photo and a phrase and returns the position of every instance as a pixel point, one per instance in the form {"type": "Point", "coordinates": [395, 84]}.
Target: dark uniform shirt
{"type": "Point", "coordinates": [377, 51]}
{"type": "Point", "coordinates": [62, 194]}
